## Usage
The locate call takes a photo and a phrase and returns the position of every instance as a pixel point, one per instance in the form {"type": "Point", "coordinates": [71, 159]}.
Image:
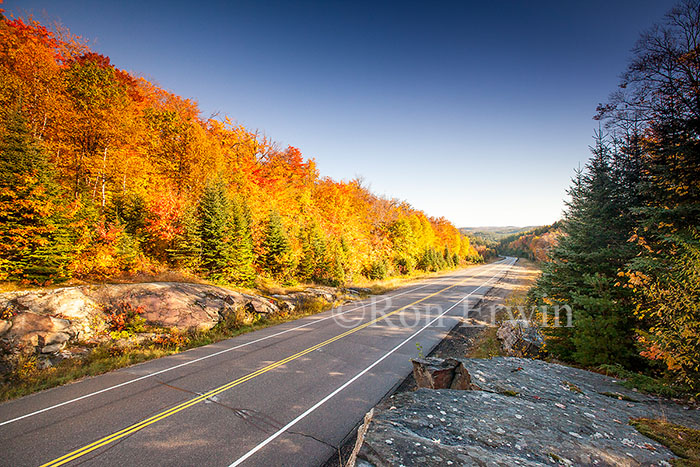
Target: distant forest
{"type": "Point", "coordinates": [103, 173]}
{"type": "Point", "coordinates": [534, 244]}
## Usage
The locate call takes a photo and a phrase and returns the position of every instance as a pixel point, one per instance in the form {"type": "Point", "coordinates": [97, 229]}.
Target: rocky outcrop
{"type": "Point", "coordinates": [180, 305]}
{"type": "Point", "coordinates": [294, 300]}
{"type": "Point", "coordinates": [528, 412]}
{"type": "Point", "coordinates": [520, 338]}
{"type": "Point", "coordinates": [45, 321]}
{"type": "Point", "coordinates": [436, 373]}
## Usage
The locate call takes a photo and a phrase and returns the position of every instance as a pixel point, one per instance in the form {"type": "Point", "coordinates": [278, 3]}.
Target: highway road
{"type": "Point", "coordinates": [285, 395]}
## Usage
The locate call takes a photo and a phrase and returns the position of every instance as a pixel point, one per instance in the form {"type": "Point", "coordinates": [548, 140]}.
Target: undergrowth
{"type": "Point", "coordinates": [682, 441]}
{"type": "Point", "coordinates": [645, 383]}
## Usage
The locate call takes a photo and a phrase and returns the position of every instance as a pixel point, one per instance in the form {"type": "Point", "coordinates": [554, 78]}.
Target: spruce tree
{"type": "Point", "coordinates": [447, 256]}
{"type": "Point", "coordinates": [305, 268]}
{"type": "Point", "coordinates": [35, 239]}
{"type": "Point", "coordinates": [584, 269]}
{"type": "Point", "coordinates": [187, 245]}
{"type": "Point", "coordinates": [314, 264]}
{"type": "Point", "coordinates": [275, 256]}
{"type": "Point", "coordinates": [241, 268]}
{"type": "Point", "coordinates": [337, 274]}
{"type": "Point", "coordinates": [215, 230]}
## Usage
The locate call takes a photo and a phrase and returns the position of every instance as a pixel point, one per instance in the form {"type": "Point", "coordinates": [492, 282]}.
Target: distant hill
{"type": "Point", "coordinates": [533, 244]}
{"type": "Point", "coordinates": [494, 233]}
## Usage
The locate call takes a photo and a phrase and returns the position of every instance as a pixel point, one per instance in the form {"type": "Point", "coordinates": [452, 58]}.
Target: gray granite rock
{"type": "Point", "coordinates": [520, 338]}
{"type": "Point", "coordinates": [528, 413]}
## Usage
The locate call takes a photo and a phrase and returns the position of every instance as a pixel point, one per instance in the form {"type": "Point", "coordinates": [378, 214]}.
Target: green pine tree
{"type": "Point", "coordinates": [241, 268]}
{"type": "Point", "coordinates": [337, 270]}
{"type": "Point", "coordinates": [275, 259]}
{"type": "Point", "coordinates": [305, 268]}
{"type": "Point", "coordinates": [314, 264]}
{"type": "Point", "coordinates": [35, 238]}
{"type": "Point", "coordinates": [187, 245]}
{"type": "Point", "coordinates": [583, 272]}
{"type": "Point", "coordinates": [215, 230]}
{"type": "Point", "coordinates": [447, 256]}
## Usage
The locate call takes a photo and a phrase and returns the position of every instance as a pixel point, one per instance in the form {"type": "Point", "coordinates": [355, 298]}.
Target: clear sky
{"type": "Point", "coordinates": [476, 111]}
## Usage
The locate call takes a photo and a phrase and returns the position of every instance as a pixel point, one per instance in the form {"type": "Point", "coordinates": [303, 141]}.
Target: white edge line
{"type": "Point", "coordinates": [141, 378]}
{"type": "Point", "coordinates": [353, 379]}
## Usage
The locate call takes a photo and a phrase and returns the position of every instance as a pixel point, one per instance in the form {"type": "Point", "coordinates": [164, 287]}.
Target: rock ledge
{"type": "Point", "coordinates": [528, 412]}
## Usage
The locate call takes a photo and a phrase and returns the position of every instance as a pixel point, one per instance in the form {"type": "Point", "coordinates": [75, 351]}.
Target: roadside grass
{"type": "Point", "coordinates": [682, 441]}
{"type": "Point", "coordinates": [487, 344]}
{"type": "Point", "coordinates": [27, 378]}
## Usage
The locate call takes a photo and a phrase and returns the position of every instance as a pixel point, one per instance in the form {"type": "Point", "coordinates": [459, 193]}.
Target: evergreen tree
{"type": "Point", "coordinates": [432, 260]}
{"type": "Point", "coordinates": [658, 112]}
{"type": "Point", "coordinates": [187, 245]}
{"type": "Point", "coordinates": [241, 268]}
{"type": "Point", "coordinates": [35, 239]}
{"type": "Point", "coordinates": [584, 269]}
{"type": "Point", "coordinates": [215, 230]}
{"type": "Point", "coordinates": [447, 257]}
{"type": "Point", "coordinates": [305, 268]}
{"type": "Point", "coordinates": [339, 264]}
{"type": "Point", "coordinates": [314, 264]}
{"type": "Point", "coordinates": [129, 210]}
{"type": "Point", "coordinates": [275, 256]}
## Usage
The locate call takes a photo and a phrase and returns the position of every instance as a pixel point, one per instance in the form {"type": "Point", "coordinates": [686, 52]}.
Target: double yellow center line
{"type": "Point", "coordinates": [172, 411]}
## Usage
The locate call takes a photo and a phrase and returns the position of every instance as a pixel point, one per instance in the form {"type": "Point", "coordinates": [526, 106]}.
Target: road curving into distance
{"type": "Point", "coordinates": [285, 395]}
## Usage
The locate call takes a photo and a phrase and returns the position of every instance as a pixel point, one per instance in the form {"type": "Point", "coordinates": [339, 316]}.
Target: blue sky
{"type": "Point", "coordinates": [476, 111]}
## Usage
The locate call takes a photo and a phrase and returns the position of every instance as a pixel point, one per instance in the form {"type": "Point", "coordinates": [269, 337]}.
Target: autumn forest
{"type": "Point", "coordinates": [105, 173]}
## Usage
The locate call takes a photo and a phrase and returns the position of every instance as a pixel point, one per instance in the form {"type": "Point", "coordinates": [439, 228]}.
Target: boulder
{"type": "Point", "coordinates": [53, 348]}
{"type": "Point", "coordinates": [520, 338]}
{"type": "Point", "coordinates": [436, 373]}
{"type": "Point", "coordinates": [34, 329]}
{"type": "Point", "coordinates": [52, 338]}
{"type": "Point", "coordinates": [69, 303]}
{"type": "Point", "coordinates": [261, 306]}
{"type": "Point", "coordinates": [47, 320]}
{"type": "Point", "coordinates": [327, 294]}
{"type": "Point", "coordinates": [294, 300]}
{"type": "Point", "coordinates": [286, 303]}
{"type": "Point", "coordinates": [359, 290]}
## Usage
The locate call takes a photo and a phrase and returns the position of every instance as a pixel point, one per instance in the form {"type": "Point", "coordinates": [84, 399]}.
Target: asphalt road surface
{"type": "Point", "coordinates": [285, 395]}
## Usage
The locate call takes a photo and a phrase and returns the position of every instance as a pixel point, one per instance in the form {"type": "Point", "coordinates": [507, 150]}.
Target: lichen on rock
{"type": "Point", "coordinates": [526, 413]}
